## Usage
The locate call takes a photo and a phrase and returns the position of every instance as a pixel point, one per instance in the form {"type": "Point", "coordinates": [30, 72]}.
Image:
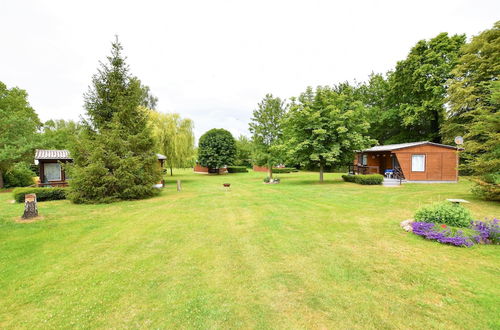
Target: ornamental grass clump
{"type": "Point", "coordinates": [451, 214]}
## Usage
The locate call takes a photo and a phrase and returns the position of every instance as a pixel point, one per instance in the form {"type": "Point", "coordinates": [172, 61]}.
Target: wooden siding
{"type": "Point", "coordinates": [440, 163]}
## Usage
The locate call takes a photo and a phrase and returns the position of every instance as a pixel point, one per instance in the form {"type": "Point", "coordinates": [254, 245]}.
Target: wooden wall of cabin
{"type": "Point", "coordinates": [440, 163]}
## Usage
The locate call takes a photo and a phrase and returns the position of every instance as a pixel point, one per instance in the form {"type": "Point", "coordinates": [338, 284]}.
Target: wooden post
{"type": "Point", "coordinates": [179, 185]}
{"type": "Point", "coordinates": [30, 206]}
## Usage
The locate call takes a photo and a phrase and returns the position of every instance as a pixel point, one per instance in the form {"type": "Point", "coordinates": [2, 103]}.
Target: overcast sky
{"type": "Point", "coordinates": [212, 61]}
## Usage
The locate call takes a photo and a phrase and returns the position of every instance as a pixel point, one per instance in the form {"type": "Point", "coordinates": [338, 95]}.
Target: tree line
{"type": "Point", "coordinates": [445, 87]}
{"type": "Point", "coordinates": [114, 146]}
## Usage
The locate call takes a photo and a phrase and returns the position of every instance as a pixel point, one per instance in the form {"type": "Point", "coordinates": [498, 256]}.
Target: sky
{"type": "Point", "coordinates": [213, 61]}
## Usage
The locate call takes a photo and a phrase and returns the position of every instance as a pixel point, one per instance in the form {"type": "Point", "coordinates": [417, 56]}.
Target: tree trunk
{"type": "Point", "coordinates": [1, 179]}
{"type": "Point", "coordinates": [270, 170]}
{"type": "Point", "coordinates": [171, 174]}
{"type": "Point", "coordinates": [321, 169]}
{"type": "Point", "coordinates": [30, 207]}
{"type": "Point", "coordinates": [435, 127]}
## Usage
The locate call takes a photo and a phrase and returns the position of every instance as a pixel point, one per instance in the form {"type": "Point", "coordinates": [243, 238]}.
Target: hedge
{"type": "Point", "coordinates": [236, 169]}
{"type": "Point", "coordinates": [284, 170]}
{"type": "Point", "coordinates": [369, 179]}
{"type": "Point", "coordinates": [42, 194]}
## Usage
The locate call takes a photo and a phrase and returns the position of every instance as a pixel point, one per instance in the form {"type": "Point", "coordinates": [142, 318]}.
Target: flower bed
{"type": "Point", "coordinates": [479, 232]}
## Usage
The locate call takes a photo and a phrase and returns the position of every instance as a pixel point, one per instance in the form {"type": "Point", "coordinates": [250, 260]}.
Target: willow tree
{"type": "Point", "coordinates": [173, 137]}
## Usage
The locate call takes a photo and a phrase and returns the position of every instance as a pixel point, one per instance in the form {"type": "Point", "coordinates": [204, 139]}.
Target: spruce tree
{"type": "Point", "coordinates": [114, 157]}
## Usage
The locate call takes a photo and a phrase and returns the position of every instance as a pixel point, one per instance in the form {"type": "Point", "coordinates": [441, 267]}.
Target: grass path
{"type": "Point", "coordinates": [294, 255]}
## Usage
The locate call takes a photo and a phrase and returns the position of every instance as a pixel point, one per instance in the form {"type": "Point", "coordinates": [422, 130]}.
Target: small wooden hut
{"type": "Point", "coordinates": [414, 162]}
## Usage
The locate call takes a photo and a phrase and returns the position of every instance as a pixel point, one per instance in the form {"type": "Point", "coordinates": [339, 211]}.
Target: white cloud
{"type": "Point", "coordinates": [212, 61]}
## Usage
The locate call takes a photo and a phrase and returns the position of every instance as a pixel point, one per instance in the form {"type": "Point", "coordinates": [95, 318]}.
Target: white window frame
{"type": "Point", "coordinates": [413, 163]}
{"type": "Point", "coordinates": [45, 171]}
{"type": "Point", "coordinates": [364, 159]}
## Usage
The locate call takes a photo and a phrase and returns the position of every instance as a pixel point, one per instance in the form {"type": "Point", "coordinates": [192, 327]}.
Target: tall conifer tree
{"type": "Point", "coordinates": [114, 157]}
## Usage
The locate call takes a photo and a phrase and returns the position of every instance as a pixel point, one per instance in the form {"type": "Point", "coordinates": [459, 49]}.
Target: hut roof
{"type": "Point", "coordinates": [390, 147]}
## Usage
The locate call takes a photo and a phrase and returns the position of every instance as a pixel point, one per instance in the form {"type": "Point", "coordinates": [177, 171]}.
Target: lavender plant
{"type": "Point", "coordinates": [485, 232]}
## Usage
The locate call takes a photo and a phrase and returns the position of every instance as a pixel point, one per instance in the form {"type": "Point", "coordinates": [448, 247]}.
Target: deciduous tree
{"type": "Point", "coordinates": [58, 134]}
{"type": "Point", "coordinates": [18, 126]}
{"type": "Point", "coordinates": [325, 127]}
{"type": "Point", "coordinates": [244, 150]}
{"type": "Point", "coordinates": [266, 127]}
{"type": "Point", "coordinates": [474, 103]}
{"type": "Point", "coordinates": [174, 138]}
{"type": "Point", "coordinates": [216, 148]}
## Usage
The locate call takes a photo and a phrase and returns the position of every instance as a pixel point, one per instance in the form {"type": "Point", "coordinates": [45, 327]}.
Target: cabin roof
{"type": "Point", "coordinates": [64, 154]}
{"type": "Point", "coordinates": [52, 154]}
{"type": "Point", "coordinates": [390, 147]}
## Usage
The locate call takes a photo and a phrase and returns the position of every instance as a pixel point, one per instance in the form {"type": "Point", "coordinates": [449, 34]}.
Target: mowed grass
{"type": "Point", "coordinates": [294, 255]}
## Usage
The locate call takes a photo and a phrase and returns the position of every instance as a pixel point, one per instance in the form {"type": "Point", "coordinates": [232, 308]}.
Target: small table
{"type": "Point", "coordinates": [457, 200]}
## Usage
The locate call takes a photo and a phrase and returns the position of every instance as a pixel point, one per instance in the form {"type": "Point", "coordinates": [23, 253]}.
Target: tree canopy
{"type": "Point", "coordinates": [18, 126]}
{"type": "Point", "coordinates": [244, 151]}
{"type": "Point", "coordinates": [174, 138]}
{"type": "Point", "coordinates": [266, 126]}
{"type": "Point", "coordinates": [58, 134]}
{"type": "Point", "coordinates": [474, 102]}
{"type": "Point", "coordinates": [325, 126]}
{"type": "Point", "coordinates": [216, 148]}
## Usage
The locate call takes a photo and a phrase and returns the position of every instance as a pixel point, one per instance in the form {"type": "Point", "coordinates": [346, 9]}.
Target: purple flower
{"type": "Point", "coordinates": [487, 232]}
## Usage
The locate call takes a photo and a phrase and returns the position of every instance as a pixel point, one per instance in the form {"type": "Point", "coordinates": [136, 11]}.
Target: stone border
{"type": "Point", "coordinates": [406, 225]}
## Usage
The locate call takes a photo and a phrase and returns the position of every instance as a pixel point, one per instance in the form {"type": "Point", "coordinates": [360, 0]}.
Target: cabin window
{"type": "Point", "coordinates": [52, 171]}
{"type": "Point", "coordinates": [418, 163]}
{"type": "Point", "coordinates": [364, 160]}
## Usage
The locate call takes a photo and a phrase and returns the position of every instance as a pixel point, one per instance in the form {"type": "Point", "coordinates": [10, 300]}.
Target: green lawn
{"type": "Point", "coordinates": [294, 255]}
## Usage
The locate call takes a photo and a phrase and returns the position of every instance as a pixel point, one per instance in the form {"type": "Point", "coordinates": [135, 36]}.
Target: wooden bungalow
{"type": "Point", "coordinates": [51, 171]}
{"type": "Point", "coordinates": [413, 162]}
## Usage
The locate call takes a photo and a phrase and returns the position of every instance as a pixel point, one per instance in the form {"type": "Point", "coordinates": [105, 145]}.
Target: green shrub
{"type": "Point", "coordinates": [42, 194]}
{"type": "Point", "coordinates": [369, 179]}
{"type": "Point", "coordinates": [451, 214]}
{"type": "Point", "coordinates": [267, 179]}
{"type": "Point", "coordinates": [284, 170]}
{"type": "Point", "coordinates": [348, 177]}
{"type": "Point", "coordinates": [19, 176]}
{"type": "Point", "coordinates": [487, 187]}
{"type": "Point", "coordinates": [237, 169]}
